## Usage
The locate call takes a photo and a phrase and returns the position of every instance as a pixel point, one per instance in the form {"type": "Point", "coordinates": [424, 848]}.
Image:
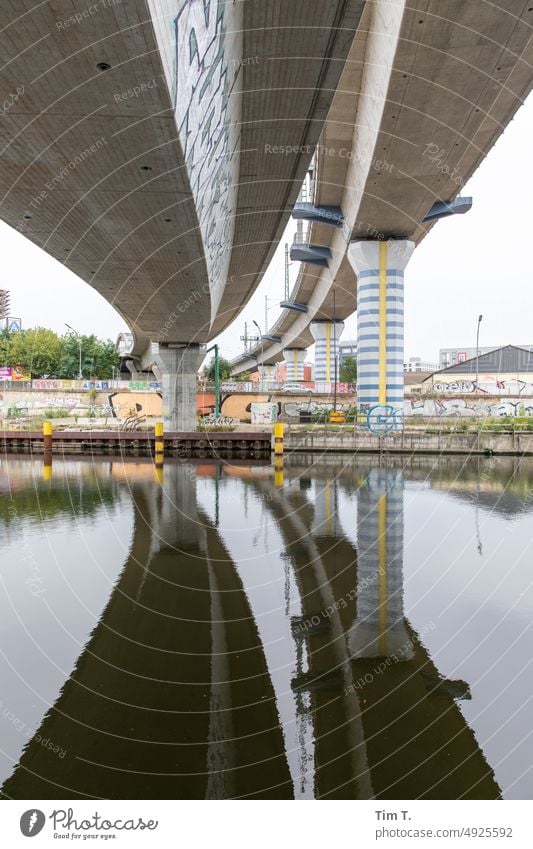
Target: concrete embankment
{"type": "Point", "coordinates": [416, 442]}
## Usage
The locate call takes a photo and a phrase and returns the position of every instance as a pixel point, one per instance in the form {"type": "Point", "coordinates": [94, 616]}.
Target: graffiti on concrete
{"type": "Point", "coordinates": [207, 107]}
{"type": "Point", "coordinates": [293, 408]}
{"type": "Point", "coordinates": [488, 386]}
{"type": "Point", "coordinates": [468, 408]}
{"type": "Point", "coordinates": [384, 418]}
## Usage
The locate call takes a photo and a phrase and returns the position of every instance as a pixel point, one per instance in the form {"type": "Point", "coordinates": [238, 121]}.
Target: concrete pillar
{"type": "Point", "coordinates": [379, 629]}
{"type": "Point", "coordinates": [327, 336]}
{"type": "Point", "coordinates": [132, 368]}
{"type": "Point", "coordinates": [267, 373]}
{"type": "Point", "coordinates": [379, 267]}
{"type": "Point", "coordinates": [295, 360]}
{"type": "Point", "coordinates": [178, 368]}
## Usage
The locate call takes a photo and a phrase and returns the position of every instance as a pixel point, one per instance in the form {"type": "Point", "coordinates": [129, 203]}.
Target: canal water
{"type": "Point", "coordinates": [347, 628]}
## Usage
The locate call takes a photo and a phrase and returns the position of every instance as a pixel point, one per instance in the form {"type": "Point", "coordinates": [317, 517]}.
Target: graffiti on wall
{"type": "Point", "coordinates": [488, 386]}
{"type": "Point", "coordinates": [466, 408]}
{"type": "Point", "coordinates": [207, 104]}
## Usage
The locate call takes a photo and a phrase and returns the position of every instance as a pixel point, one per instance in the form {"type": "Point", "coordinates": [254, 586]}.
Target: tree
{"type": "Point", "coordinates": [224, 369]}
{"type": "Point", "coordinates": [37, 350]}
{"type": "Point", "coordinates": [348, 370]}
{"type": "Point", "coordinates": [98, 358]}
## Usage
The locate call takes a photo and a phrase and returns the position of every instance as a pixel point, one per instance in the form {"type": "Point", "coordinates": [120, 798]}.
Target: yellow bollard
{"type": "Point", "coordinates": [47, 467]}
{"type": "Point", "coordinates": [279, 447]}
{"type": "Point", "coordinates": [159, 440]}
{"type": "Point", "coordinates": [47, 436]}
{"type": "Point", "coordinates": [47, 443]}
{"type": "Point", "coordinates": [278, 472]}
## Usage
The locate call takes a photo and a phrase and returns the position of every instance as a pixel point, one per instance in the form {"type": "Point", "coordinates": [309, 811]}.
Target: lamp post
{"type": "Point", "coordinates": [262, 352]}
{"type": "Point", "coordinates": [75, 332]}
{"type": "Point", "coordinates": [217, 380]}
{"type": "Point", "coordinates": [480, 319]}
{"type": "Point", "coordinates": [335, 354]}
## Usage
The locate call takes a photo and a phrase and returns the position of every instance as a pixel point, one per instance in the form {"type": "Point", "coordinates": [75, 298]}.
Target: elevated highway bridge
{"type": "Point", "coordinates": [137, 145]}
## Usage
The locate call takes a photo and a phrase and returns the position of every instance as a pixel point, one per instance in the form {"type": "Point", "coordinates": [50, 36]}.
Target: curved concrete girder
{"type": "Point", "coordinates": [101, 170]}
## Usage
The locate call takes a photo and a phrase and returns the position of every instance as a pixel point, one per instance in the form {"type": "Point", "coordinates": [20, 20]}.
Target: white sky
{"type": "Point", "coordinates": [471, 264]}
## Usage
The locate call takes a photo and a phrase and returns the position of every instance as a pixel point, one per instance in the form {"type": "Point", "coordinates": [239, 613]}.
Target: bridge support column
{"type": "Point", "coordinates": [267, 373]}
{"type": "Point", "coordinates": [327, 336]}
{"type": "Point", "coordinates": [379, 267]}
{"type": "Point", "coordinates": [295, 360]}
{"type": "Point", "coordinates": [178, 368]}
{"type": "Point", "coordinates": [379, 629]}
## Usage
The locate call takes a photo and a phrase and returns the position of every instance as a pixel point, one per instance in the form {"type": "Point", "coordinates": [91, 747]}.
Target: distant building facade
{"type": "Point", "coordinates": [418, 364]}
{"type": "Point", "coordinates": [500, 371]}
{"type": "Point", "coordinates": [454, 356]}
{"type": "Point", "coordinates": [348, 348]}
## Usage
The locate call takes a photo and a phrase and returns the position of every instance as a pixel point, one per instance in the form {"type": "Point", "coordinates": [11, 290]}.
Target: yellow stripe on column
{"type": "Point", "coordinates": [382, 567]}
{"type": "Point", "coordinates": [295, 365]}
{"type": "Point", "coordinates": [383, 322]}
{"type": "Point", "coordinates": [328, 351]}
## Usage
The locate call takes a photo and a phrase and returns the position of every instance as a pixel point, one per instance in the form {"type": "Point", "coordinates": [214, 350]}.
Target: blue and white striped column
{"type": "Point", "coordinates": [379, 629]}
{"type": "Point", "coordinates": [327, 335]}
{"type": "Point", "coordinates": [295, 361]}
{"type": "Point", "coordinates": [267, 373]}
{"type": "Point", "coordinates": [379, 267]}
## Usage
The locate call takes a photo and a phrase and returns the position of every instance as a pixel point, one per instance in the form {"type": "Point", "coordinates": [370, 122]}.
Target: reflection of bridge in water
{"type": "Point", "coordinates": [176, 693]}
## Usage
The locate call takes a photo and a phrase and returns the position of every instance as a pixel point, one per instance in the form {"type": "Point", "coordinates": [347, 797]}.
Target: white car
{"type": "Point", "coordinates": [296, 387]}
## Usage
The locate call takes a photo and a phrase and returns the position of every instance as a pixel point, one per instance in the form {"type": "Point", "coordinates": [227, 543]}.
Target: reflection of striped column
{"type": "Point", "coordinates": [327, 335]}
{"type": "Point", "coordinates": [295, 359]}
{"type": "Point", "coordinates": [325, 520]}
{"type": "Point", "coordinates": [379, 267]}
{"type": "Point", "coordinates": [379, 629]}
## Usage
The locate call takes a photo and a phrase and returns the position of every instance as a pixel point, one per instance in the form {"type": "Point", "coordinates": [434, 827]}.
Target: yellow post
{"type": "Point", "coordinates": [278, 471]}
{"type": "Point", "coordinates": [47, 435]}
{"type": "Point", "coordinates": [159, 450]}
{"type": "Point", "coordinates": [159, 440]}
{"type": "Point", "coordinates": [47, 443]}
{"type": "Point", "coordinates": [279, 447]}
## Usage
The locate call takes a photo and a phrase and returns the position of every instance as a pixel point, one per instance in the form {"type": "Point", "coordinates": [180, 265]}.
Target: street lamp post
{"type": "Point", "coordinates": [480, 319]}
{"type": "Point", "coordinates": [217, 379]}
{"type": "Point", "coordinates": [262, 353]}
{"type": "Point", "coordinates": [75, 332]}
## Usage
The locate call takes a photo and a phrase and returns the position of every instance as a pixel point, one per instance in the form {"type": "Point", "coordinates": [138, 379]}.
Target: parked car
{"type": "Point", "coordinates": [296, 387]}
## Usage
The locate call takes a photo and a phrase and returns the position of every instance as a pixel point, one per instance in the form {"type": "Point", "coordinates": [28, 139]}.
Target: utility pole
{"type": "Point", "coordinates": [248, 339]}
{"type": "Point", "coordinates": [334, 353]}
{"type": "Point", "coordinates": [262, 366]}
{"type": "Point", "coordinates": [480, 319]}
{"type": "Point", "coordinates": [286, 271]}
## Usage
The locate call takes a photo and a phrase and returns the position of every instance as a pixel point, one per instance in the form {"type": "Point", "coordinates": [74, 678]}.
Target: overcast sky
{"type": "Point", "coordinates": [471, 264]}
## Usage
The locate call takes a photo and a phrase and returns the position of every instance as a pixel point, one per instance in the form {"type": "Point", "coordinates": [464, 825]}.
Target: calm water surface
{"type": "Point", "coordinates": [350, 629]}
